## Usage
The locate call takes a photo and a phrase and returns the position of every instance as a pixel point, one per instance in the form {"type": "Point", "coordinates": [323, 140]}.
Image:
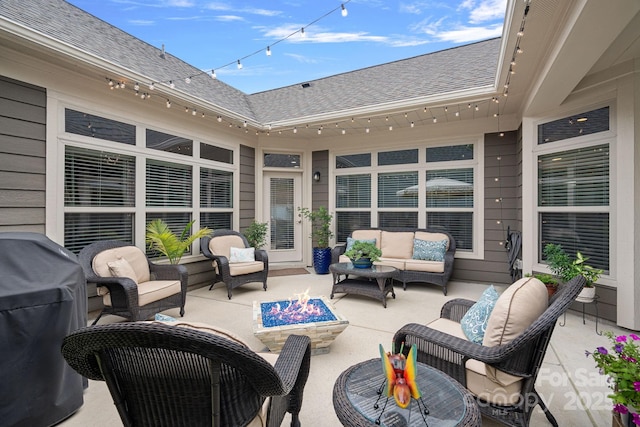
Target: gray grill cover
{"type": "Point", "coordinates": [42, 299]}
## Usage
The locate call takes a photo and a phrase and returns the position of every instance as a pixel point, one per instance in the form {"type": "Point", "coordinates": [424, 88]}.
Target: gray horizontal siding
{"type": "Point", "coordinates": [22, 156]}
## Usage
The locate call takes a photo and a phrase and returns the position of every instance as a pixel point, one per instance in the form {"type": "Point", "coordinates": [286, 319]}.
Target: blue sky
{"type": "Point", "coordinates": [213, 35]}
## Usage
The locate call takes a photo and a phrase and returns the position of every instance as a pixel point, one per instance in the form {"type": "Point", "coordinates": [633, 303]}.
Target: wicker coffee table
{"type": "Point", "coordinates": [375, 281]}
{"type": "Point", "coordinates": [356, 392]}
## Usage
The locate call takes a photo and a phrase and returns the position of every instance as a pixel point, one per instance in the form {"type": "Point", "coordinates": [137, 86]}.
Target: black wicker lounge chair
{"type": "Point", "coordinates": [161, 375]}
{"type": "Point", "coordinates": [154, 289]}
{"type": "Point", "coordinates": [521, 357]}
{"type": "Point", "coordinates": [217, 247]}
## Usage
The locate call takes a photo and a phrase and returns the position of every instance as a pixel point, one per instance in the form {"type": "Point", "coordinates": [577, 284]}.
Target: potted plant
{"type": "Point", "coordinates": [160, 238]}
{"type": "Point", "coordinates": [620, 363]}
{"type": "Point", "coordinates": [550, 281]}
{"type": "Point", "coordinates": [362, 254]}
{"type": "Point", "coordinates": [256, 234]}
{"type": "Point", "coordinates": [321, 234]}
{"type": "Point", "coordinates": [566, 269]}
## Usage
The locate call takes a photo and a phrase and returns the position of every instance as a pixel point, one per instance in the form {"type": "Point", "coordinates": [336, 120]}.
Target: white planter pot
{"type": "Point", "coordinates": [586, 295]}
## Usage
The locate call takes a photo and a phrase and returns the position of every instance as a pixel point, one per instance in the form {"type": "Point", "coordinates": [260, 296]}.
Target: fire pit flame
{"type": "Point", "coordinates": [302, 309]}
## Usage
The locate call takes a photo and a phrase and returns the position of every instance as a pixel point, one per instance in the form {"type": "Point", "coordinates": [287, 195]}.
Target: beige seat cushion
{"type": "Point", "coordinates": [148, 292]}
{"type": "Point", "coordinates": [242, 268]}
{"type": "Point", "coordinates": [423, 265]}
{"type": "Point", "coordinates": [477, 381]}
{"type": "Point", "coordinates": [133, 256]}
{"type": "Point", "coordinates": [397, 244]}
{"type": "Point", "coordinates": [221, 245]}
{"type": "Point", "coordinates": [391, 262]}
{"type": "Point", "coordinates": [516, 309]}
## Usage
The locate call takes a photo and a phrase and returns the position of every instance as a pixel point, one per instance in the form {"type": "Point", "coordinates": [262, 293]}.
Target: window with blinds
{"type": "Point", "coordinates": [573, 202]}
{"type": "Point", "coordinates": [398, 190]}
{"type": "Point", "coordinates": [283, 213]}
{"type": "Point", "coordinates": [101, 192]}
{"type": "Point", "coordinates": [353, 191]}
{"type": "Point", "coordinates": [437, 191]}
{"type": "Point", "coordinates": [100, 180]}
{"type": "Point", "coordinates": [168, 184]}
{"type": "Point", "coordinates": [216, 188]}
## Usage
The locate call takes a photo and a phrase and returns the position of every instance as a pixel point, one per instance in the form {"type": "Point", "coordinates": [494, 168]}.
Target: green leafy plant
{"type": "Point", "coordinates": [256, 234]}
{"type": "Point", "coordinates": [547, 279]}
{"type": "Point", "coordinates": [622, 364]}
{"type": "Point", "coordinates": [362, 249]}
{"type": "Point", "coordinates": [320, 223]}
{"type": "Point", "coordinates": [160, 238]}
{"type": "Point", "coordinates": [566, 268]}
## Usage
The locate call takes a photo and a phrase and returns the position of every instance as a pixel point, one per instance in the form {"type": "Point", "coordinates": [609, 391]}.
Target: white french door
{"type": "Point", "coordinates": [283, 194]}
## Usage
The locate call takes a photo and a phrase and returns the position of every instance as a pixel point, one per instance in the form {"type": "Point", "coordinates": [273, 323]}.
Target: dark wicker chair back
{"type": "Point", "coordinates": [521, 357]}
{"type": "Point", "coordinates": [223, 273]}
{"type": "Point", "coordinates": [124, 291]}
{"type": "Point", "coordinates": [162, 375]}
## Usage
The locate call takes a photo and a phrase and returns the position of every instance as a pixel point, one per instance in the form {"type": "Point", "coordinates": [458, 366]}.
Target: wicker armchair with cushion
{"type": "Point", "coordinates": [132, 286]}
{"type": "Point", "coordinates": [501, 370]}
{"type": "Point", "coordinates": [234, 261]}
{"type": "Point", "coordinates": [161, 374]}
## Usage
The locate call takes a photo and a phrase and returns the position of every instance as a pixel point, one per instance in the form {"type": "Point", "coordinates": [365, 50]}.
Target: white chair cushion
{"type": "Point", "coordinates": [151, 291]}
{"type": "Point", "coordinates": [397, 244]}
{"type": "Point", "coordinates": [221, 245]}
{"type": "Point", "coordinates": [242, 268]}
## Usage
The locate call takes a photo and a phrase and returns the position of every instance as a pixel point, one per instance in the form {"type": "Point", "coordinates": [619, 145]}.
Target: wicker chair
{"type": "Point", "coordinates": [161, 375]}
{"type": "Point", "coordinates": [217, 246]}
{"type": "Point", "coordinates": [134, 299]}
{"type": "Point", "coordinates": [521, 357]}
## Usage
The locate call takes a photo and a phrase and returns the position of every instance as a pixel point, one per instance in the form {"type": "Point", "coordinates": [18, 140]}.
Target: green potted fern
{"type": "Point", "coordinates": [160, 238]}
{"type": "Point", "coordinates": [256, 234]}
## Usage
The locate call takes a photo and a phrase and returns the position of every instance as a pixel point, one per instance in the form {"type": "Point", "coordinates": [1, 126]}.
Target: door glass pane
{"type": "Point", "coordinates": [282, 213]}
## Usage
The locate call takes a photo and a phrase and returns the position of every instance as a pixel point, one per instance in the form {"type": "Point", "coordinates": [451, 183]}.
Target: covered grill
{"type": "Point", "coordinates": [42, 299]}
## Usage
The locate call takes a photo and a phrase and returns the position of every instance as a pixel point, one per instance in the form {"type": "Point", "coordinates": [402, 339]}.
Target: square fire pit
{"type": "Point", "coordinates": [322, 326]}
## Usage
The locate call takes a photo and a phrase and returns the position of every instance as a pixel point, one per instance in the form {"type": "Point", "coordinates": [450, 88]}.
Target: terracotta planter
{"type": "Point", "coordinates": [551, 289]}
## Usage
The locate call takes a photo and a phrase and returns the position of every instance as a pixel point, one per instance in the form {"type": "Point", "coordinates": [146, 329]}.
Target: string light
{"type": "Point", "coordinates": [239, 65]}
{"type": "Point", "coordinates": [344, 11]}
{"type": "Point", "coordinates": [268, 50]}
{"type": "Point", "coordinates": [213, 74]}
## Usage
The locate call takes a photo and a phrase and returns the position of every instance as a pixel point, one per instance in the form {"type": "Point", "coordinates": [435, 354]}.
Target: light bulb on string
{"type": "Point", "coordinates": [213, 74]}
{"type": "Point", "coordinates": [268, 51]}
{"type": "Point", "coordinates": [239, 65]}
{"type": "Point", "coordinates": [136, 87]}
{"type": "Point", "coordinates": [302, 34]}
{"type": "Point", "coordinates": [344, 11]}
{"type": "Point", "coordinates": [187, 80]}
{"type": "Point", "coordinates": [168, 104]}
{"type": "Point", "coordinates": [172, 85]}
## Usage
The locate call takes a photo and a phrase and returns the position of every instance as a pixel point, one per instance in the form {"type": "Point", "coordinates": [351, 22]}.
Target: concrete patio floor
{"type": "Point", "coordinates": [568, 381]}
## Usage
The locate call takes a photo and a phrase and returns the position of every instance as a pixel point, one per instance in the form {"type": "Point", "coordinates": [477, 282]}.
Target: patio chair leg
{"type": "Point", "coordinates": [547, 412]}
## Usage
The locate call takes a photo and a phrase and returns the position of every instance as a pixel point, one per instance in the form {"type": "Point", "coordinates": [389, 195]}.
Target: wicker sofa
{"type": "Point", "coordinates": [397, 245]}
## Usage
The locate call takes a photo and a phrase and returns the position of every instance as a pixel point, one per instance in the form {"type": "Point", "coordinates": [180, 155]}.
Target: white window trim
{"type": "Point", "coordinates": [533, 210]}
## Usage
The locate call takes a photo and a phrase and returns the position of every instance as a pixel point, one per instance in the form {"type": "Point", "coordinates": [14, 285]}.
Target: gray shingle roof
{"type": "Point", "coordinates": [466, 67]}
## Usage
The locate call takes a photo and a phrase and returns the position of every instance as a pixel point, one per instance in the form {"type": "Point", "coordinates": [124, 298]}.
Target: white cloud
{"type": "Point", "coordinates": [302, 58]}
{"type": "Point", "coordinates": [141, 22]}
{"type": "Point", "coordinates": [470, 34]}
{"type": "Point", "coordinates": [229, 18]}
{"type": "Point", "coordinates": [488, 10]}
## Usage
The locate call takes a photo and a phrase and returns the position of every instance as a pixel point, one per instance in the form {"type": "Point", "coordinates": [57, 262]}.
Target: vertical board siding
{"type": "Point", "coordinates": [502, 209]}
{"type": "Point", "coordinates": [22, 156]}
{"type": "Point", "coordinates": [246, 203]}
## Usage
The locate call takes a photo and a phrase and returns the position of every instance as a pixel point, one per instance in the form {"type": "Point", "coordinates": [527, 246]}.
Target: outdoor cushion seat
{"type": "Point", "coordinates": [131, 286]}
{"type": "Point", "coordinates": [191, 374]}
{"type": "Point", "coordinates": [219, 248]}
{"type": "Point", "coordinates": [501, 372]}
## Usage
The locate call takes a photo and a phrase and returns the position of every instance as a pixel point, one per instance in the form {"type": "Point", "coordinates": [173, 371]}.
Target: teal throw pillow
{"type": "Point", "coordinates": [164, 318]}
{"type": "Point", "coordinates": [429, 250]}
{"type": "Point", "coordinates": [474, 322]}
{"type": "Point", "coordinates": [351, 241]}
